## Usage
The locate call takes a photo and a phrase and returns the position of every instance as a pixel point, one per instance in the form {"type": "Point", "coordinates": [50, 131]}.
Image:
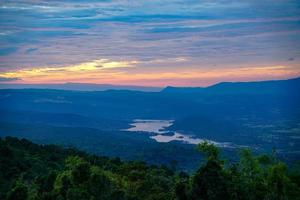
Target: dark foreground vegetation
{"type": "Point", "coordinates": [46, 172]}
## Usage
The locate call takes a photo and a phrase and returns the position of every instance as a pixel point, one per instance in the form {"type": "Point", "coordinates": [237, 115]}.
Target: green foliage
{"type": "Point", "coordinates": [210, 181]}
{"type": "Point", "coordinates": [181, 191]}
{"type": "Point", "coordinates": [47, 172]}
{"type": "Point", "coordinates": [210, 150]}
{"type": "Point", "coordinates": [18, 192]}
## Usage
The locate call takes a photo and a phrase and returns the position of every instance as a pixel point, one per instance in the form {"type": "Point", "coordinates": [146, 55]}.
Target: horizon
{"type": "Point", "coordinates": [72, 86]}
{"type": "Point", "coordinates": [196, 44]}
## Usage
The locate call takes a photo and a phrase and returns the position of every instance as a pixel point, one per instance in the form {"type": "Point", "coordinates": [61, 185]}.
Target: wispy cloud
{"type": "Point", "coordinates": [128, 72]}
{"type": "Point", "coordinates": [81, 68]}
{"type": "Point", "coordinates": [48, 37]}
{"type": "Point", "coordinates": [3, 79]}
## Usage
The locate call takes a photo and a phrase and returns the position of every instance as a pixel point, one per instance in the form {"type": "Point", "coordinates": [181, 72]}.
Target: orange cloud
{"type": "Point", "coordinates": [56, 72]}
{"type": "Point", "coordinates": [117, 72]}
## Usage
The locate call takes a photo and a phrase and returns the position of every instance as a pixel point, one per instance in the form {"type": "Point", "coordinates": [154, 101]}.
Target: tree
{"type": "Point", "coordinates": [279, 184]}
{"type": "Point", "coordinates": [100, 185]}
{"type": "Point", "coordinates": [209, 181]}
{"type": "Point", "coordinates": [181, 191]}
{"type": "Point", "coordinates": [19, 192]}
{"type": "Point", "coordinates": [209, 150]}
{"type": "Point", "coordinates": [62, 184]}
{"type": "Point", "coordinates": [251, 176]}
{"type": "Point", "coordinates": [80, 169]}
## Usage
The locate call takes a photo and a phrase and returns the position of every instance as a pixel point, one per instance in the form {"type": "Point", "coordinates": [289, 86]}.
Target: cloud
{"type": "Point", "coordinates": [28, 51]}
{"type": "Point", "coordinates": [124, 73]}
{"type": "Point", "coordinates": [207, 35]}
{"type": "Point", "coordinates": [7, 51]}
{"type": "Point", "coordinates": [3, 79]}
{"type": "Point", "coordinates": [69, 70]}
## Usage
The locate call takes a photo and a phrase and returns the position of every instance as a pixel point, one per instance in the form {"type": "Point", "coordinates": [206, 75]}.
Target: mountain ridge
{"type": "Point", "coordinates": [218, 87]}
{"type": "Point", "coordinates": [269, 86]}
{"type": "Point", "coordinates": [81, 87]}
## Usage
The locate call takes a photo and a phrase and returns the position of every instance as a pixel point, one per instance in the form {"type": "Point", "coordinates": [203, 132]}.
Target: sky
{"type": "Point", "coordinates": [148, 42]}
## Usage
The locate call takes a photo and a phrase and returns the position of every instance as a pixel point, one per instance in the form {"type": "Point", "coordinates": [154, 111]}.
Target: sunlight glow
{"type": "Point", "coordinates": [120, 72]}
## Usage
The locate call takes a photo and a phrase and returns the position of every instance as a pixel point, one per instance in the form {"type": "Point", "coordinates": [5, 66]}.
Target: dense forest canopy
{"type": "Point", "coordinates": [46, 172]}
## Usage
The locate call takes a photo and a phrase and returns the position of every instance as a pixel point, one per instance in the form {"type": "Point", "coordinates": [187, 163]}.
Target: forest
{"type": "Point", "coordinates": [30, 171]}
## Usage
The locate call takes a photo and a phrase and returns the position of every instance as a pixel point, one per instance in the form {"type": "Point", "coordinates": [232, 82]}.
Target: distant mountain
{"type": "Point", "coordinates": [263, 87]}
{"type": "Point", "coordinates": [259, 87]}
{"type": "Point", "coordinates": [171, 89]}
{"type": "Point", "coordinates": [80, 87]}
{"type": "Point", "coordinates": [261, 115]}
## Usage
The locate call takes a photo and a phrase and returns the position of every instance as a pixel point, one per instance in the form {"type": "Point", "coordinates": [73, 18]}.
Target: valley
{"type": "Point", "coordinates": [160, 127]}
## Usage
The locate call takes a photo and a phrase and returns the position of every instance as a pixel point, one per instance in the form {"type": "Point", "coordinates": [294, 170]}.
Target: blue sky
{"type": "Point", "coordinates": [158, 42]}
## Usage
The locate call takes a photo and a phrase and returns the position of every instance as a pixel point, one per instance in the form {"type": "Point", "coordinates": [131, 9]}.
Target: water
{"type": "Point", "coordinates": [162, 135]}
{"type": "Point", "coordinates": [151, 126]}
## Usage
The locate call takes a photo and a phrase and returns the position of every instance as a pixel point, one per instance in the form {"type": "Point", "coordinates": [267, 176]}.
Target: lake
{"type": "Point", "coordinates": [161, 134]}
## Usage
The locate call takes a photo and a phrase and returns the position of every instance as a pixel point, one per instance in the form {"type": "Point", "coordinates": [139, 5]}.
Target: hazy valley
{"type": "Point", "coordinates": [160, 127]}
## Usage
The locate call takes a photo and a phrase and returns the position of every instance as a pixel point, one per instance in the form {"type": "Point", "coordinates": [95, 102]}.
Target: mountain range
{"type": "Point", "coordinates": [270, 86]}
{"type": "Point", "coordinates": [259, 115]}
{"type": "Point", "coordinates": [80, 87]}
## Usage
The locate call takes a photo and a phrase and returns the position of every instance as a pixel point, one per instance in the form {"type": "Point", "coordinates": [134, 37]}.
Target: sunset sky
{"type": "Point", "coordinates": [149, 43]}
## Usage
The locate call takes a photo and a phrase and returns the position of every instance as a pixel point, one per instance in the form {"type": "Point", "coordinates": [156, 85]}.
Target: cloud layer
{"type": "Point", "coordinates": [158, 42]}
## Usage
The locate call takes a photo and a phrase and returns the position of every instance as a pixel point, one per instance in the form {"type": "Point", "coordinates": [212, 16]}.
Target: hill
{"type": "Point", "coordinates": [258, 87]}
{"type": "Point", "coordinates": [80, 87]}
